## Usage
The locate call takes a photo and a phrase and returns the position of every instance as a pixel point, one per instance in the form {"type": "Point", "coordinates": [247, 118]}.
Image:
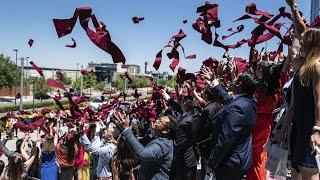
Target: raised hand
{"type": "Point", "coordinates": [207, 73]}
{"type": "Point", "coordinates": [122, 120]}
{"type": "Point", "coordinates": [291, 3]}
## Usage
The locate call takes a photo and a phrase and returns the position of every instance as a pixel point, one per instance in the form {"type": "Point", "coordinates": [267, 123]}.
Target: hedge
{"type": "Point", "coordinates": [50, 104]}
{"type": "Point", "coordinates": [5, 109]}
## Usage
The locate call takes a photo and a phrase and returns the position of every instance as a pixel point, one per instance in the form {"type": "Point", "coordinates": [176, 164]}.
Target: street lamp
{"type": "Point", "coordinates": [15, 86]}
{"type": "Point", "coordinates": [33, 77]}
{"type": "Point", "coordinates": [27, 64]}
{"type": "Point", "coordinates": [21, 84]}
{"type": "Point", "coordinates": [81, 82]}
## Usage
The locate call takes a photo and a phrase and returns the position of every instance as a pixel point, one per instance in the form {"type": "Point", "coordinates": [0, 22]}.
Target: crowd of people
{"type": "Point", "coordinates": [221, 127]}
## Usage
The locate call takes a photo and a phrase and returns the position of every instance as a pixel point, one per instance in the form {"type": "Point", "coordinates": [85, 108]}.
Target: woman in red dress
{"type": "Point", "coordinates": [268, 97]}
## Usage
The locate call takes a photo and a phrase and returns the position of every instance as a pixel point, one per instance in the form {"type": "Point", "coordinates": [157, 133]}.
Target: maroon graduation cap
{"type": "Point", "coordinates": [30, 42]}
{"type": "Point", "coordinates": [181, 73]}
{"type": "Point", "coordinates": [315, 22]}
{"type": "Point", "coordinates": [55, 84]}
{"type": "Point", "coordinates": [57, 99]}
{"type": "Point", "coordinates": [185, 21]}
{"type": "Point", "coordinates": [59, 76]}
{"type": "Point", "coordinates": [136, 94]}
{"type": "Point", "coordinates": [274, 54]}
{"type": "Point", "coordinates": [32, 126]}
{"type": "Point", "coordinates": [18, 95]}
{"type": "Point", "coordinates": [85, 72]}
{"type": "Point", "coordinates": [72, 45]}
{"type": "Point", "coordinates": [239, 29]}
{"type": "Point", "coordinates": [173, 54]}
{"type": "Point", "coordinates": [35, 67]}
{"type": "Point", "coordinates": [211, 63]}
{"type": "Point", "coordinates": [156, 94]}
{"type": "Point", "coordinates": [209, 18]}
{"type": "Point", "coordinates": [252, 9]}
{"type": "Point", "coordinates": [100, 37]}
{"type": "Point", "coordinates": [137, 20]}
{"type": "Point", "coordinates": [241, 64]}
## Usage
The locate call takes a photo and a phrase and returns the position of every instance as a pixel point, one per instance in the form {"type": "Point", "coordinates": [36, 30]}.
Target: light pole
{"type": "Point", "coordinates": [77, 71]}
{"type": "Point", "coordinates": [27, 59]}
{"type": "Point", "coordinates": [21, 84]}
{"type": "Point", "coordinates": [33, 78]}
{"type": "Point", "coordinates": [81, 82]}
{"type": "Point", "coordinates": [15, 86]}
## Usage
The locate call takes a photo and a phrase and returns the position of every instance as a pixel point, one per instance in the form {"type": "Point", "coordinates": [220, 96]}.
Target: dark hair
{"type": "Point", "coordinates": [36, 163]}
{"type": "Point", "coordinates": [1, 166]}
{"type": "Point", "coordinates": [269, 82]}
{"type": "Point", "coordinates": [115, 133]}
{"type": "Point", "coordinates": [70, 143]}
{"type": "Point", "coordinates": [209, 95]}
{"type": "Point", "coordinates": [92, 131]}
{"type": "Point", "coordinates": [247, 83]}
{"type": "Point", "coordinates": [15, 167]}
{"type": "Point", "coordinates": [123, 160]}
{"type": "Point", "coordinates": [18, 145]}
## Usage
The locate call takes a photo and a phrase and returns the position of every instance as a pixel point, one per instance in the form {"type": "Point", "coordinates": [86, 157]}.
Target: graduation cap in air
{"type": "Point", "coordinates": [73, 45]}
{"type": "Point", "coordinates": [35, 67]}
{"type": "Point", "coordinates": [30, 42]}
{"type": "Point", "coordinates": [137, 20]}
{"type": "Point", "coordinates": [55, 84]}
{"type": "Point", "coordinates": [174, 43]}
{"type": "Point", "coordinates": [100, 36]}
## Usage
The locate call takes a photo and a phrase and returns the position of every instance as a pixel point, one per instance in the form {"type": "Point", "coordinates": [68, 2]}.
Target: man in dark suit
{"type": "Point", "coordinates": [185, 152]}
{"type": "Point", "coordinates": [233, 125]}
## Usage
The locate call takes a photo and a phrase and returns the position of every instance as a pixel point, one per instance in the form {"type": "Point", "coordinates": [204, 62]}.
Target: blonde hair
{"type": "Point", "coordinates": [311, 46]}
{"type": "Point", "coordinates": [48, 143]}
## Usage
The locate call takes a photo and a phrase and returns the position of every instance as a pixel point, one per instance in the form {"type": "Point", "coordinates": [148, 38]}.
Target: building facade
{"type": "Point", "coordinates": [51, 72]}
{"type": "Point", "coordinates": [315, 9]}
{"type": "Point", "coordinates": [108, 72]}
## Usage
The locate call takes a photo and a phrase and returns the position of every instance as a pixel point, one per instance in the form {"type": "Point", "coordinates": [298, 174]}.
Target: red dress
{"type": "Point", "coordinates": [260, 134]}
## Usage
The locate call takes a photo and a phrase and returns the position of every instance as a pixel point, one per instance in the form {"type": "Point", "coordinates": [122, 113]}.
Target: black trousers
{"type": "Point", "coordinates": [228, 173]}
{"type": "Point", "coordinates": [186, 173]}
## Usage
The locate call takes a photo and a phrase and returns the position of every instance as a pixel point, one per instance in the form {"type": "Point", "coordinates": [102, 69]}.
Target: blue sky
{"type": "Point", "coordinates": [22, 20]}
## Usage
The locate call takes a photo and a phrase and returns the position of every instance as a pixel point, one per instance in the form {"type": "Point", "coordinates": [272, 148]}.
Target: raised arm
{"type": "Point", "coordinates": [315, 137]}
{"type": "Point", "coordinates": [299, 25]}
{"type": "Point", "coordinates": [153, 152]}
{"type": "Point", "coordinates": [56, 135]}
{"type": "Point", "coordinates": [93, 149]}
{"type": "Point", "coordinates": [201, 101]}
{"type": "Point", "coordinates": [24, 154]}
{"type": "Point", "coordinates": [5, 150]}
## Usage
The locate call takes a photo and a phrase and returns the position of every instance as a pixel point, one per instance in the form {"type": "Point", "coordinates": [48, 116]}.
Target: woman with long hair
{"type": "Point", "coordinates": [268, 96]}
{"type": "Point", "coordinates": [35, 168]}
{"type": "Point", "coordinates": [95, 140]}
{"type": "Point", "coordinates": [304, 110]}
{"type": "Point", "coordinates": [66, 151]}
{"type": "Point", "coordinates": [123, 162]}
{"type": "Point", "coordinates": [17, 169]}
{"type": "Point", "coordinates": [49, 167]}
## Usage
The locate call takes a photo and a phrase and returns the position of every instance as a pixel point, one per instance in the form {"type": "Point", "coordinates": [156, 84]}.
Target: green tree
{"type": "Point", "coordinates": [89, 81]}
{"type": "Point", "coordinates": [100, 86]}
{"type": "Point", "coordinates": [119, 83]}
{"type": "Point", "coordinates": [9, 72]}
{"type": "Point", "coordinates": [172, 82]}
{"type": "Point", "coordinates": [76, 83]}
{"type": "Point", "coordinates": [40, 87]}
{"type": "Point", "coordinates": [66, 80]}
